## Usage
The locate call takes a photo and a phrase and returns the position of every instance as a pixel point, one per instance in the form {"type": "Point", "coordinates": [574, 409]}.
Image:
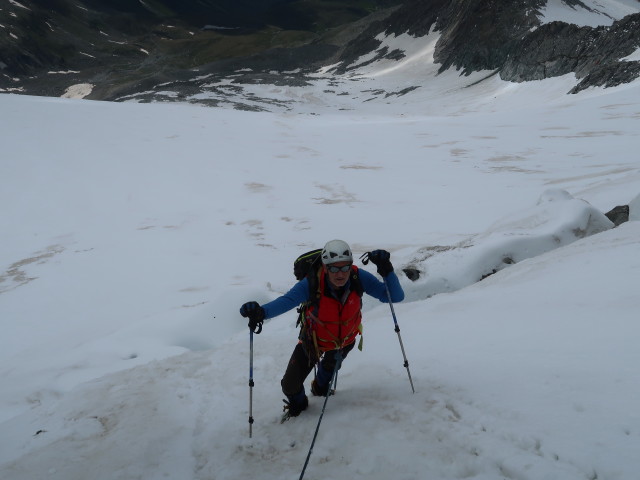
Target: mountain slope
{"type": "Point", "coordinates": [123, 49]}
{"type": "Point", "coordinates": [507, 386]}
{"type": "Point", "coordinates": [132, 234]}
{"type": "Point", "coordinates": [115, 43]}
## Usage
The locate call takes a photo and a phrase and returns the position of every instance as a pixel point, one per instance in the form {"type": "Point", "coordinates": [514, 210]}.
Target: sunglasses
{"type": "Point", "coordinates": [333, 269]}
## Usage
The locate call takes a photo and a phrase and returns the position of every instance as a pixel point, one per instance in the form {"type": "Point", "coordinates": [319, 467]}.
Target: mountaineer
{"type": "Point", "coordinates": [329, 293]}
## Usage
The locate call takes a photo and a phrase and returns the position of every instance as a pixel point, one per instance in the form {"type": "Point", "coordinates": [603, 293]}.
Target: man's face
{"type": "Point", "coordinates": [337, 277]}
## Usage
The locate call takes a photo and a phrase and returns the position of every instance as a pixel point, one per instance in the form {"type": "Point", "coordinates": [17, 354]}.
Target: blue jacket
{"type": "Point", "coordinates": [299, 293]}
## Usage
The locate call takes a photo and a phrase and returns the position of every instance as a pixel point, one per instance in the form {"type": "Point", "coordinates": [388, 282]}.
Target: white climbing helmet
{"type": "Point", "coordinates": [336, 251]}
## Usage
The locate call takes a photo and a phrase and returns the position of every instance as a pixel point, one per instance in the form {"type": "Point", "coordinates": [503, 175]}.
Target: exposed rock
{"type": "Point", "coordinates": [619, 214]}
{"type": "Point", "coordinates": [559, 48]}
{"type": "Point", "coordinates": [507, 36]}
{"type": "Point", "coordinates": [481, 34]}
{"type": "Point", "coordinates": [475, 34]}
{"type": "Point", "coordinates": [412, 273]}
{"type": "Point", "coordinates": [609, 75]}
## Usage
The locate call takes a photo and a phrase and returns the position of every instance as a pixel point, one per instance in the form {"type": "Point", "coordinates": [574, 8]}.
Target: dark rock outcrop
{"type": "Point", "coordinates": [507, 36]}
{"type": "Point", "coordinates": [480, 35]}
{"type": "Point", "coordinates": [474, 34]}
{"type": "Point", "coordinates": [609, 75]}
{"type": "Point", "coordinates": [559, 48]}
{"type": "Point", "coordinates": [618, 215]}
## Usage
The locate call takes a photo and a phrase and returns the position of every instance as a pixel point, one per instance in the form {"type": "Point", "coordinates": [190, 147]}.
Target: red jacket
{"type": "Point", "coordinates": [332, 323]}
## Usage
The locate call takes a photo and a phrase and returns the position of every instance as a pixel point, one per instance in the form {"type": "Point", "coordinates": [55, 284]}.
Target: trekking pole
{"type": "Point", "coordinates": [334, 379]}
{"type": "Point", "coordinates": [250, 383]}
{"type": "Point", "coordinates": [397, 330]}
{"type": "Point", "coordinates": [365, 260]}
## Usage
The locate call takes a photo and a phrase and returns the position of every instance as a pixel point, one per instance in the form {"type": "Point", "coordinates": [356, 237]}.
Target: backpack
{"type": "Point", "coordinates": [306, 263]}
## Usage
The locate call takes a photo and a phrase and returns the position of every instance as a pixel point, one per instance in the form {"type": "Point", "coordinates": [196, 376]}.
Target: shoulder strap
{"type": "Point", "coordinates": [356, 284]}
{"type": "Point", "coordinates": [313, 279]}
{"type": "Point", "coordinates": [313, 283]}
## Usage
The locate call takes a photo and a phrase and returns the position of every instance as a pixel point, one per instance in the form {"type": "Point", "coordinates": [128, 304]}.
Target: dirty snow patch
{"type": "Point", "coordinates": [79, 90]}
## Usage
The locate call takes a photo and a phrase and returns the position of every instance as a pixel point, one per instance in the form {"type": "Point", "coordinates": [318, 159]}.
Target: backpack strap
{"type": "Point", "coordinates": [313, 282]}
{"type": "Point", "coordinates": [356, 284]}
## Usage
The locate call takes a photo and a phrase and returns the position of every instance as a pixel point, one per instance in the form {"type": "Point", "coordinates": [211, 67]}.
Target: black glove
{"type": "Point", "coordinates": [255, 312]}
{"type": "Point", "coordinates": [380, 258]}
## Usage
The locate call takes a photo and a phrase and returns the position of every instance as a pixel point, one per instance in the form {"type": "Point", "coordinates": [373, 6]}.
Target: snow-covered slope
{"type": "Point", "coordinates": [132, 233]}
{"type": "Point", "coordinates": [530, 374]}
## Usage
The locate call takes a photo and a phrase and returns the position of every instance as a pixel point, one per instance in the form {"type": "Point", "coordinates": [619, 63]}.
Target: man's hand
{"type": "Point", "coordinates": [381, 259]}
{"type": "Point", "coordinates": [255, 313]}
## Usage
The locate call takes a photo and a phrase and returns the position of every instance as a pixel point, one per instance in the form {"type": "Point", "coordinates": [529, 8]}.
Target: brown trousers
{"type": "Point", "coordinates": [300, 366]}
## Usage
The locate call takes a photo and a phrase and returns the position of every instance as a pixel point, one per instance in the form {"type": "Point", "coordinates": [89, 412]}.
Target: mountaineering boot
{"type": "Point", "coordinates": [294, 405]}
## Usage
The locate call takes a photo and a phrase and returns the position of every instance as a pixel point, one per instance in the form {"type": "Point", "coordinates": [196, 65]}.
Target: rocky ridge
{"type": "Point", "coordinates": [125, 52]}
